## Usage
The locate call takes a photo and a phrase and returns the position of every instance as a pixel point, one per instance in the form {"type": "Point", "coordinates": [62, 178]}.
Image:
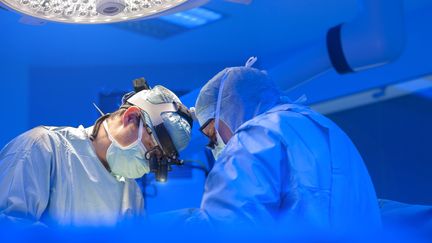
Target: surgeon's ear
{"type": "Point", "coordinates": [131, 116]}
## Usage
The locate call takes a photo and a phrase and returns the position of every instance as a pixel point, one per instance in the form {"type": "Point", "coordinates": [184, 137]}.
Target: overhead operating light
{"type": "Point", "coordinates": [102, 11]}
{"type": "Point", "coordinates": [98, 11]}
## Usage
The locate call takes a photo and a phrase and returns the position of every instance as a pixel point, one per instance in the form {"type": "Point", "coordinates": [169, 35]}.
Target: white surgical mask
{"type": "Point", "coordinates": [218, 147]}
{"type": "Point", "coordinates": [127, 161]}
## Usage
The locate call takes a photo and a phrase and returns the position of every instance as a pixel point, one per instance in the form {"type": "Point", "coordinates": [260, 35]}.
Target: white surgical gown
{"type": "Point", "coordinates": [52, 176]}
{"type": "Point", "coordinates": [290, 165]}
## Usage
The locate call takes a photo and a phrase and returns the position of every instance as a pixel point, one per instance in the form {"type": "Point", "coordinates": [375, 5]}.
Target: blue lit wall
{"type": "Point", "coordinates": [394, 138]}
{"type": "Point", "coordinates": [68, 92]}
{"type": "Point", "coordinates": [14, 99]}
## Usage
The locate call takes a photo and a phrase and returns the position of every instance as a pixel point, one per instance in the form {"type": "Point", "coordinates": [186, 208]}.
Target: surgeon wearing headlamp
{"type": "Point", "coordinates": [85, 176]}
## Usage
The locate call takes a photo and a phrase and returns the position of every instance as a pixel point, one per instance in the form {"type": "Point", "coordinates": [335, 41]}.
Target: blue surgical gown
{"type": "Point", "coordinates": [290, 165]}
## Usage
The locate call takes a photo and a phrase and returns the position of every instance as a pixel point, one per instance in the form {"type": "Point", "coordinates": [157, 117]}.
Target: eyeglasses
{"type": "Point", "coordinates": [148, 129]}
{"type": "Point", "coordinates": [208, 130]}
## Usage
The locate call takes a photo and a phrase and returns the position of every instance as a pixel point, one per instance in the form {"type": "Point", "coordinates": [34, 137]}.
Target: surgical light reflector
{"type": "Point", "coordinates": [91, 11]}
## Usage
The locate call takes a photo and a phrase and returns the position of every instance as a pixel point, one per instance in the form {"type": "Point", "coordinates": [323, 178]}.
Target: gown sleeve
{"type": "Point", "coordinates": [25, 167]}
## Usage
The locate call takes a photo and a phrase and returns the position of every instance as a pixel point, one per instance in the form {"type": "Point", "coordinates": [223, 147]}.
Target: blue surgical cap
{"type": "Point", "coordinates": [246, 93]}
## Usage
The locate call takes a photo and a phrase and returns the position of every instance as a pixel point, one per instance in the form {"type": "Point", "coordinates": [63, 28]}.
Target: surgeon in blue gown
{"type": "Point", "coordinates": [278, 162]}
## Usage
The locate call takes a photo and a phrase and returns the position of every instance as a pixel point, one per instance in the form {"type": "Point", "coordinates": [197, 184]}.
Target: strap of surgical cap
{"type": "Point", "coordinates": [251, 61]}
{"type": "Point", "coordinates": [219, 99]}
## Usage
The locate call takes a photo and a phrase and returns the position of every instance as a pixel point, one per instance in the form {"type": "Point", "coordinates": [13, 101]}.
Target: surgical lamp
{"type": "Point", "coordinates": [98, 11]}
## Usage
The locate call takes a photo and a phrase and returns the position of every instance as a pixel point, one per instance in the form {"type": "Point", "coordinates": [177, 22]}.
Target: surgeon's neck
{"type": "Point", "coordinates": [101, 144]}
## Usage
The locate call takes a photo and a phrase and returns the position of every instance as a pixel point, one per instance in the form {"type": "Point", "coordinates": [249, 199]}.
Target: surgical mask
{"type": "Point", "coordinates": [127, 161]}
{"type": "Point", "coordinates": [218, 147]}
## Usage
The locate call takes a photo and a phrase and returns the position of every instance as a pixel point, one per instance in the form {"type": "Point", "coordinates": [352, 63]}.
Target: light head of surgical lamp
{"type": "Point", "coordinates": [98, 11]}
